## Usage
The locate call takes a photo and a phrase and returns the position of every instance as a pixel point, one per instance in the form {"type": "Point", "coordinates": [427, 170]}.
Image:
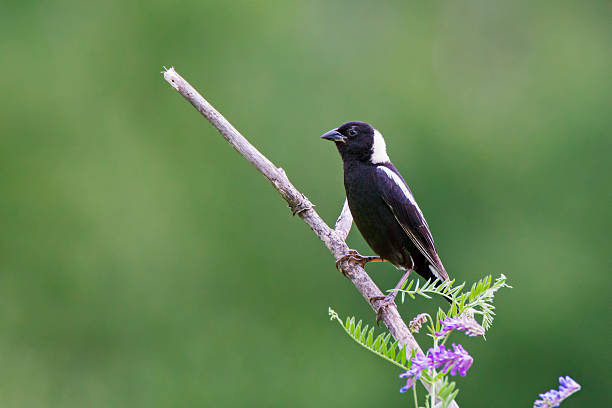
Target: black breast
{"type": "Point", "coordinates": [375, 220]}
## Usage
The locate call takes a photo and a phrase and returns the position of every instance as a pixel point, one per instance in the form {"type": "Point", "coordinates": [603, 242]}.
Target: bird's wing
{"type": "Point", "coordinates": [399, 198]}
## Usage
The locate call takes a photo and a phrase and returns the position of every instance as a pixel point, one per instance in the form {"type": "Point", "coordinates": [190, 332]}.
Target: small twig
{"type": "Point", "coordinates": [300, 205]}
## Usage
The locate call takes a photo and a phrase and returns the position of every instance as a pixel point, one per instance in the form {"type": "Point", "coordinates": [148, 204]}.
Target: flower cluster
{"type": "Point", "coordinates": [416, 323]}
{"type": "Point", "coordinates": [462, 323]}
{"type": "Point", "coordinates": [553, 398]}
{"type": "Point", "coordinates": [420, 362]}
{"type": "Point", "coordinates": [457, 361]}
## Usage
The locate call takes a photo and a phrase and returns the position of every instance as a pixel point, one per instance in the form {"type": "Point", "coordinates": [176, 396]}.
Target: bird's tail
{"type": "Point", "coordinates": [440, 274]}
{"type": "Point", "coordinates": [438, 271]}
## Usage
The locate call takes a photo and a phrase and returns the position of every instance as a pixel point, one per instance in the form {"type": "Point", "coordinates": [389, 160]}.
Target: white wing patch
{"type": "Point", "coordinates": [379, 149]}
{"type": "Point", "coordinates": [436, 273]}
{"type": "Point", "coordinates": [397, 180]}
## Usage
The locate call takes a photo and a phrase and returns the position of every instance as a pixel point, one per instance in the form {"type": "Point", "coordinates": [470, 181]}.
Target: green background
{"type": "Point", "coordinates": [143, 263]}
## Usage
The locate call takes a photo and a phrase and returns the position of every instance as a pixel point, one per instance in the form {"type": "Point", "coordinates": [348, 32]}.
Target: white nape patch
{"type": "Point", "coordinates": [379, 149]}
{"type": "Point", "coordinates": [397, 180]}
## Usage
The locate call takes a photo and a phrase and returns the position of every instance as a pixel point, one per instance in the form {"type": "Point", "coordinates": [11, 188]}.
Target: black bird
{"type": "Point", "coordinates": [383, 206]}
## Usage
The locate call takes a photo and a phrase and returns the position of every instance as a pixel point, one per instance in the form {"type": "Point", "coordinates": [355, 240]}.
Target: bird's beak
{"type": "Point", "coordinates": [334, 136]}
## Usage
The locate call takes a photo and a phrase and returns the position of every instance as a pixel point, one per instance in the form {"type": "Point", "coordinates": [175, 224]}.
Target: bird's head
{"type": "Point", "coordinates": [359, 141]}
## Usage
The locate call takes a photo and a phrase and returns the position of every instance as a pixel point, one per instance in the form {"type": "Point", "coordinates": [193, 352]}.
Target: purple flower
{"type": "Point", "coordinates": [462, 323]}
{"type": "Point", "coordinates": [553, 398]}
{"type": "Point", "coordinates": [457, 361]}
{"type": "Point", "coordinates": [420, 362]}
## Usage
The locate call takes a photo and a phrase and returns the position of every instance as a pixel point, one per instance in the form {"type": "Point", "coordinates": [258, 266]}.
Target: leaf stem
{"type": "Point", "coordinates": [433, 376]}
{"type": "Point", "coordinates": [334, 316]}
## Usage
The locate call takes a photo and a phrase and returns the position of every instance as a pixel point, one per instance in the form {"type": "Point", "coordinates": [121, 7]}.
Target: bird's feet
{"type": "Point", "coordinates": [383, 302]}
{"type": "Point", "coordinates": [356, 257]}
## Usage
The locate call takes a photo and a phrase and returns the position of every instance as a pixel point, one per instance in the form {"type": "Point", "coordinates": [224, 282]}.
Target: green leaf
{"type": "Point", "coordinates": [385, 340]}
{"type": "Point", "coordinates": [357, 332]}
{"type": "Point", "coordinates": [394, 344]}
{"type": "Point", "coordinates": [402, 355]}
{"type": "Point", "coordinates": [378, 341]}
{"type": "Point", "coordinates": [352, 326]}
{"type": "Point", "coordinates": [364, 332]}
{"type": "Point", "coordinates": [370, 339]}
{"type": "Point", "coordinates": [447, 392]}
{"type": "Point", "coordinates": [478, 300]}
{"type": "Point", "coordinates": [379, 348]}
{"type": "Point", "coordinates": [440, 375]}
{"type": "Point", "coordinates": [409, 285]}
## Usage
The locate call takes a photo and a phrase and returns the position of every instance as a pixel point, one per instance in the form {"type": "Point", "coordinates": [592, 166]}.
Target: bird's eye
{"type": "Point", "coordinates": [352, 132]}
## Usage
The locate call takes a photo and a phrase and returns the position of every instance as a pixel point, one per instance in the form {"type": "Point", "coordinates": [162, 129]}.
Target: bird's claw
{"type": "Point", "coordinates": [383, 302]}
{"type": "Point", "coordinates": [352, 254]}
{"type": "Point", "coordinates": [357, 258]}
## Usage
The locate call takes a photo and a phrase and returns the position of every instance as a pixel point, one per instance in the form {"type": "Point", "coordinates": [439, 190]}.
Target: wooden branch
{"type": "Point", "coordinates": [344, 222]}
{"type": "Point", "coordinates": [300, 205]}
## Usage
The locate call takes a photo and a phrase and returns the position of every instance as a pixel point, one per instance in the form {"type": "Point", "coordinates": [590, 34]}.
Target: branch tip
{"type": "Point", "coordinates": [172, 77]}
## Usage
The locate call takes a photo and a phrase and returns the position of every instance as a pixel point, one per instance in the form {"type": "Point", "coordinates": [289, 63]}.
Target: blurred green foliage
{"type": "Point", "coordinates": [144, 263]}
